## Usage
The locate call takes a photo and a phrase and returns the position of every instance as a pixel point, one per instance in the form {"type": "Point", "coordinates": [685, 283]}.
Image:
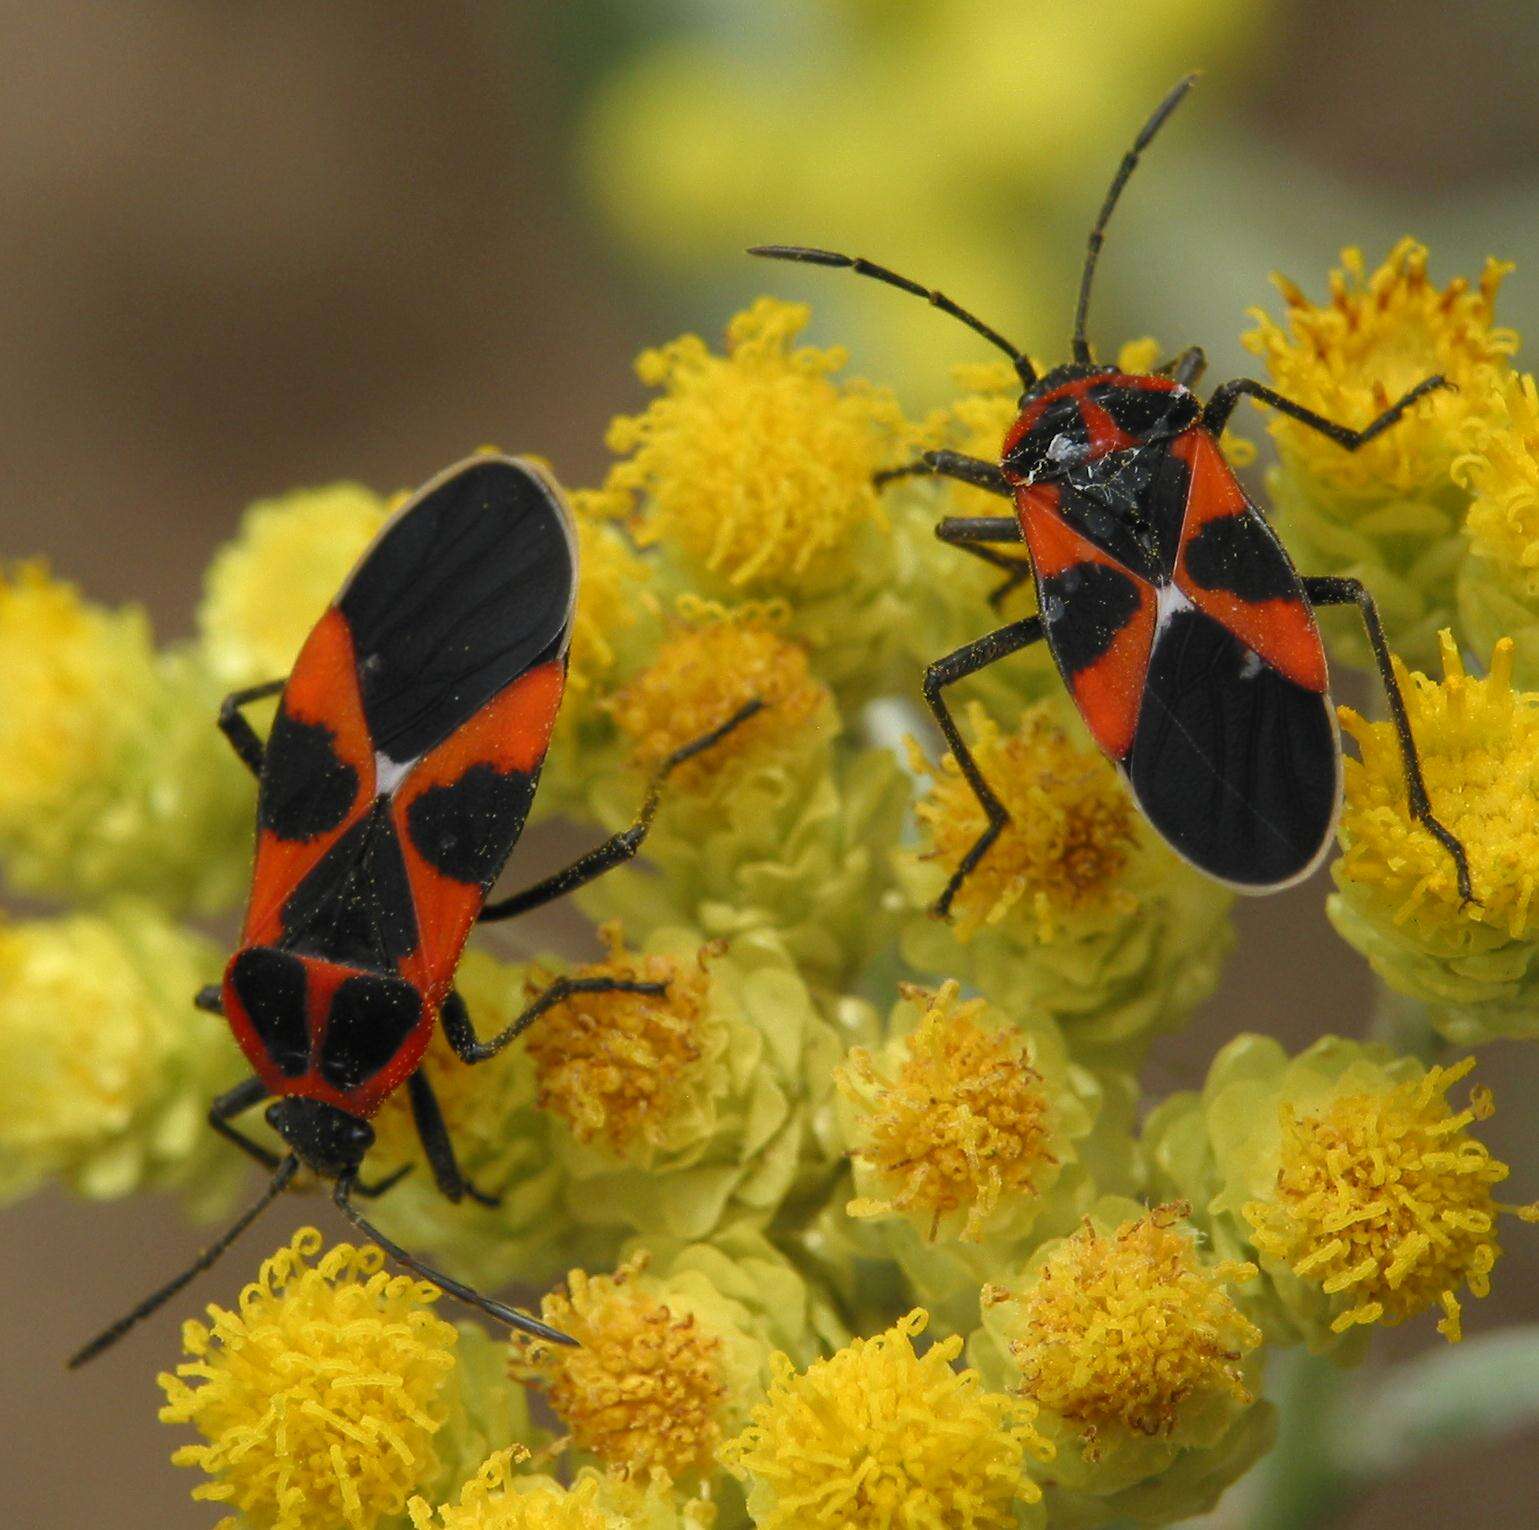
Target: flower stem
{"type": "Point", "coordinates": [1301, 1482]}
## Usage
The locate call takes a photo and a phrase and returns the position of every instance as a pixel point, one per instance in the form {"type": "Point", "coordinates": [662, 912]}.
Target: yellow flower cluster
{"type": "Point", "coordinates": [764, 1178]}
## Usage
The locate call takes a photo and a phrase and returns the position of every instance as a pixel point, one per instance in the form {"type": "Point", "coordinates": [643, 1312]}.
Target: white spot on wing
{"type": "Point", "coordinates": [1168, 600]}
{"type": "Point", "coordinates": [388, 773]}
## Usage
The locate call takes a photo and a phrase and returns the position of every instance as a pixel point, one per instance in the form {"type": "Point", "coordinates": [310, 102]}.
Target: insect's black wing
{"type": "Point", "coordinates": [1237, 766]}
{"type": "Point", "coordinates": [469, 587]}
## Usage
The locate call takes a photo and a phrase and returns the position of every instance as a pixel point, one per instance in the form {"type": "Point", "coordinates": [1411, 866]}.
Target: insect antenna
{"type": "Point", "coordinates": [110, 1336]}
{"type": "Point", "coordinates": [1098, 232]}
{"type": "Point", "coordinates": [863, 267]}
{"type": "Point", "coordinates": [494, 1309]}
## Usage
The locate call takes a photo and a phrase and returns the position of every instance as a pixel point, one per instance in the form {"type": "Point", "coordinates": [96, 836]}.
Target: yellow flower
{"type": "Point", "coordinates": [1391, 512]}
{"type": "Point", "coordinates": [1121, 1332]}
{"type": "Point", "coordinates": [711, 666]}
{"type": "Point", "coordinates": [963, 1122]}
{"type": "Point", "coordinates": [610, 602]}
{"type": "Point", "coordinates": [619, 1067]}
{"type": "Point", "coordinates": [1383, 1200]}
{"type": "Point", "coordinates": [1144, 1370]}
{"type": "Point", "coordinates": [78, 678]}
{"type": "Point", "coordinates": [268, 588]}
{"type": "Point", "coordinates": [657, 1376]}
{"type": "Point", "coordinates": [106, 1069]}
{"type": "Point", "coordinates": [498, 1497]}
{"type": "Point", "coordinates": [320, 1397]}
{"type": "Point", "coordinates": [1070, 836]}
{"type": "Point", "coordinates": [755, 466]}
{"type": "Point", "coordinates": [1399, 901]}
{"type": "Point", "coordinates": [882, 1437]}
{"type": "Point", "coordinates": [1499, 580]}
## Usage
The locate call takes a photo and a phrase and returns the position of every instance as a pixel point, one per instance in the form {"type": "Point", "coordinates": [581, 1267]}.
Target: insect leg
{"type": "Point", "coordinates": [242, 736]}
{"type": "Point", "coordinates": [620, 847]}
{"type": "Point", "coordinates": [342, 1194]}
{"type": "Point", "coordinates": [372, 1192]}
{"type": "Point", "coordinates": [1220, 406]}
{"type": "Point", "coordinates": [231, 1103]}
{"type": "Point", "coordinates": [968, 532]}
{"type": "Point", "coordinates": [970, 470]}
{"type": "Point", "coordinates": [1328, 591]}
{"type": "Point", "coordinates": [965, 661]}
{"type": "Point", "coordinates": [438, 1145]}
{"type": "Point", "coordinates": [462, 1037]}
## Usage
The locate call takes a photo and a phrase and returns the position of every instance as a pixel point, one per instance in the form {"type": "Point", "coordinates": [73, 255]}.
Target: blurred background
{"type": "Point", "coordinates": [250, 248]}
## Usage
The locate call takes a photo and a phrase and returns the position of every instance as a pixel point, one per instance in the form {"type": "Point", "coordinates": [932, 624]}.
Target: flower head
{"type": "Point", "coordinates": [619, 1067]}
{"type": "Point", "coordinates": [1347, 1175]}
{"type": "Point", "coordinates": [962, 1122]}
{"type": "Point", "coordinates": [1078, 910]}
{"type": "Point", "coordinates": [268, 588]}
{"type": "Point", "coordinates": [1071, 833]}
{"type": "Point", "coordinates": [1122, 1330]}
{"type": "Point", "coordinates": [755, 467]}
{"type": "Point", "coordinates": [1383, 1200]}
{"type": "Point", "coordinates": [105, 1066]}
{"type": "Point", "coordinates": [1499, 580]}
{"type": "Point", "coordinates": [705, 673]}
{"type": "Point", "coordinates": [1389, 513]}
{"type": "Point", "coordinates": [884, 1437]}
{"type": "Point", "coordinates": [1399, 900]}
{"type": "Point", "coordinates": [675, 1112]}
{"type": "Point", "coordinates": [657, 1375]}
{"type": "Point", "coordinates": [321, 1396]}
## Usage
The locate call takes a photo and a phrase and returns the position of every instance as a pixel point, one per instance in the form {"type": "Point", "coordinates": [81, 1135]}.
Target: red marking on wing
{"type": "Point", "coordinates": [323, 688]}
{"type": "Point", "coordinates": [511, 732]}
{"type": "Point", "coordinates": [1281, 630]}
{"type": "Point", "coordinates": [1109, 691]}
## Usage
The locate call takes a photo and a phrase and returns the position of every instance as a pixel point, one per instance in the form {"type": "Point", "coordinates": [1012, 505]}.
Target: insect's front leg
{"type": "Point", "coordinates": [1220, 406]}
{"type": "Point", "coordinates": [242, 736]}
{"type": "Point", "coordinates": [231, 1103]}
{"type": "Point", "coordinates": [958, 665]}
{"type": "Point", "coordinates": [973, 533]}
{"type": "Point", "coordinates": [438, 1145]}
{"type": "Point", "coordinates": [956, 465]}
{"type": "Point", "coordinates": [1328, 591]}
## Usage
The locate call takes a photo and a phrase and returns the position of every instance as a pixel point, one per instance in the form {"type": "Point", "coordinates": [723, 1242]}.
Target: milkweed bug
{"type": "Point", "coordinates": [1175, 617]}
{"type": "Point", "coordinates": [392, 787]}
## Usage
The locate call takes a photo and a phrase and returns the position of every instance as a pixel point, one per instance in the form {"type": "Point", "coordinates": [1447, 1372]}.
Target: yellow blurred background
{"type": "Point", "coordinates": [247, 248]}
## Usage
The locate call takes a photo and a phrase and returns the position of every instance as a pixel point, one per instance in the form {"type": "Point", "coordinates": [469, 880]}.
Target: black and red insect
{"type": "Point", "coordinates": [1175, 617]}
{"type": "Point", "coordinates": [393, 785]}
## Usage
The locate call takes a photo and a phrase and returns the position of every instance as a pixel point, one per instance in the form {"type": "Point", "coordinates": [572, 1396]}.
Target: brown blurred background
{"type": "Point", "coordinates": [246, 248]}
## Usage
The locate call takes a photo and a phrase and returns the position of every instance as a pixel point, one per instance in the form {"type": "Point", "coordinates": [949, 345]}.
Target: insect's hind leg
{"type": "Point", "coordinates": [439, 1146]}
{"type": "Point", "coordinates": [231, 1103]}
{"type": "Point", "coordinates": [1331, 591]}
{"type": "Point", "coordinates": [1220, 406]}
{"type": "Point", "coordinates": [242, 736]}
{"type": "Point", "coordinates": [955, 666]}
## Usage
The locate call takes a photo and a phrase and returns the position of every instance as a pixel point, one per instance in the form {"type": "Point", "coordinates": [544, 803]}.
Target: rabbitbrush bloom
{"type": "Point", "coordinates": [663, 1370]}
{"type": "Point", "coordinates": [1476, 965]}
{"type": "Point", "coordinates": [1390, 513]}
{"type": "Point", "coordinates": [752, 473]}
{"type": "Point", "coordinates": [680, 1111]}
{"type": "Point", "coordinates": [106, 1069]}
{"type": "Point", "coordinates": [113, 778]}
{"type": "Point", "coordinates": [1142, 1367]}
{"type": "Point", "coordinates": [1499, 579]}
{"type": "Point", "coordinates": [320, 1398]}
{"type": "Point", "coordinates": [1078, 910]}
{"type": "Point", "coordinates": [964, 1133]}
{"type": "Point", "coordinates": [1349, 1177]}
{"type": "Point", "coordinates": [883, 1437]}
